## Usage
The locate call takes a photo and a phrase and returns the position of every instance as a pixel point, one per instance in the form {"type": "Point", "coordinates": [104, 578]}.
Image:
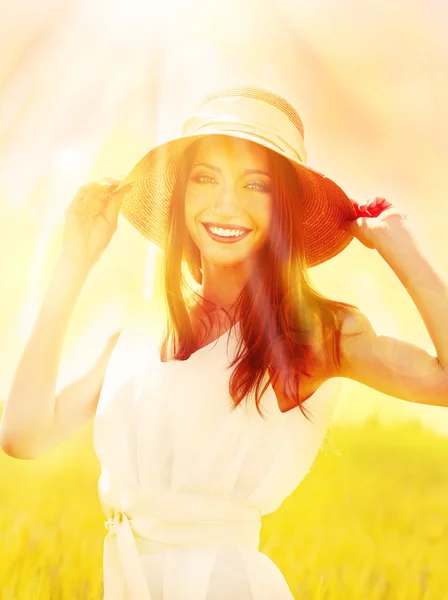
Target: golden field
{"type": "Point", "coordinates": [370, 520]}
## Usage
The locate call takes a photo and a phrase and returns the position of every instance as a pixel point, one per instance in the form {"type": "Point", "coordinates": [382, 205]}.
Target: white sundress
{"type": "Point", "coordinates": [185, 481]}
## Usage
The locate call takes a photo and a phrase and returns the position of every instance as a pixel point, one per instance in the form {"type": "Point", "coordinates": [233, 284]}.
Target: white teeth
{"type": "Point", "coordinates": [226, 232]}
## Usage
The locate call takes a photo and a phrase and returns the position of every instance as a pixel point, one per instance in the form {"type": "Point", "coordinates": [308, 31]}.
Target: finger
{"type": "Point", "coordinates": [118, 195]}
{"type": "Point", "coordinates": [97, 185]}
{"type": "Point", "coordinates": [101, 188]}
{"type": "Point", "coordinates": [111, 184]}
{"type": "Point", "coordinates": [94, 184]}
{"type": "Point", "coordinates": [82, 191]}
{"type": "Point", "coordinates": [89, 198]}
{"type": "Point", "coordinates": [94, 199]}
{"type": "Point", "coordinates": [85, 192]}
{"type": "Point", "coordinates": [78, 201]}
{"type": "Point", "coordinates": [113, 204]}
{"type": "Point", "coordinates": [113, 180]}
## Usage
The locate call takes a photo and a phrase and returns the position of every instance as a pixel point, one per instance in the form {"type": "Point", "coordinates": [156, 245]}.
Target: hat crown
{"type": "Point", "coordinates": [254, 113]}
{"type": "Point", "coordinates": [257, 93]}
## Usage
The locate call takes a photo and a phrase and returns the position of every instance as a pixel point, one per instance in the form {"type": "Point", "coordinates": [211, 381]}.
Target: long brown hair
{"type": "Point", "coordinates": [276, 308]}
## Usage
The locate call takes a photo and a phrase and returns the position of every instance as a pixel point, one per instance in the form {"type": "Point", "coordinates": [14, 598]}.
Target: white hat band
{"type": "Point", "coordinates": [250, 116]}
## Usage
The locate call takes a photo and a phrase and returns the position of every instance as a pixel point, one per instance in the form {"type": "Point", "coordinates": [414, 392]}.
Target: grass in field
{"type": "Point", "coordinates": [370, 520]}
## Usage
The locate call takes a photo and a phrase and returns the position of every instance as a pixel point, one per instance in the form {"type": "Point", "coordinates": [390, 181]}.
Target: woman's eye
{"type": "Point", "coordinates": [200, 178]}
{"type": "Point", "coordinates": [258, 187]}
{"type": "Point", "coordinates": [261, 187]}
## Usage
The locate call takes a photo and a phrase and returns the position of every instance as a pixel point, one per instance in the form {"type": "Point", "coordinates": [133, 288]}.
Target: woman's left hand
{"type": "Point", "coordinates": [373, 219]}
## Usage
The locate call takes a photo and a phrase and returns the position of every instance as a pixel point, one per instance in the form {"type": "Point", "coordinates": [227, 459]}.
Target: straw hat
{"type": "Point", "coordinates": [258, 115]}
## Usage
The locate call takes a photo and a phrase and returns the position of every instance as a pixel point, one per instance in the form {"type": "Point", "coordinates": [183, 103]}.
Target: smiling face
{"type": "Point", "coordinates": [229, 185]}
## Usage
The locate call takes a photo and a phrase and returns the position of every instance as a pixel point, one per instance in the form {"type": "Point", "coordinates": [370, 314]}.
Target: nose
{"type": "Point", "coordinates": [226, 203]}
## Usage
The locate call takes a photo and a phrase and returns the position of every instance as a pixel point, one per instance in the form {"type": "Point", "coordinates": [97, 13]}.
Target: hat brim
{"type": "Point", "coordinates": [152, 180]}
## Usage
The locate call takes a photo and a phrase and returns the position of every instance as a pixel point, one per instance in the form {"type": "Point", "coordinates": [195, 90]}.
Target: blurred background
{"type": "Point", "coordinates": [88, 87]}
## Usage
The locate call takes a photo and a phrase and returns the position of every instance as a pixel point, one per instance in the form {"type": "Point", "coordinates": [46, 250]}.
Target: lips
{"type": "Point", "coordinates": [228, 226]}
{"type": "Point", "coordinates": [228, 239]}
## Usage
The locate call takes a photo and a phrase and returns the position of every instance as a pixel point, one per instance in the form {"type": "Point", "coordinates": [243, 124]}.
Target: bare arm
{"type": "Point", "coordinates": [30, 407]}
{"type": "Point", "coordinates": [30, 415]}
{"type": "Point", "coordinates": [76, 404]}
{"type": "Point", "coordinates": [392, 366]}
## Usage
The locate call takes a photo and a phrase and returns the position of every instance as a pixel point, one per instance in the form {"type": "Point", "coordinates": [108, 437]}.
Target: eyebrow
{"type": "Point", "coordinates": [246, 172]}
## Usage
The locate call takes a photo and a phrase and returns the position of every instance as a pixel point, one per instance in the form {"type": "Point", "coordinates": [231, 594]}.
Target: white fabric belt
{"type": "Point", "coordinates": [169, 520]}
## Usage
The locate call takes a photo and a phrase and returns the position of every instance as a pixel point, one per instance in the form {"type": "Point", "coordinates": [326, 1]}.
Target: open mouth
{"type": "Point", "coordinates": [229, 238]}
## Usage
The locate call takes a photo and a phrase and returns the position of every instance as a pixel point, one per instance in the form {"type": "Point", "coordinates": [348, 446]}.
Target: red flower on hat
{"type": "Point", "coordinates": [375, 216]}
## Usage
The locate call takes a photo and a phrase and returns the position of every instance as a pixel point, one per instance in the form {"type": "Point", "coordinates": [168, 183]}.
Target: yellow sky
{"type": "Point", "coordinates": [86, 88]}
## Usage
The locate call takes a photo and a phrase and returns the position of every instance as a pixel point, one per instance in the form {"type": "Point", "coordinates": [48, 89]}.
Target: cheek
{"type": "Point", "coordinates": [264, 213]}
{"type": "Point", "coordinates": [192, 212]}
{"type": "Point", "coordinates": [193, 202]}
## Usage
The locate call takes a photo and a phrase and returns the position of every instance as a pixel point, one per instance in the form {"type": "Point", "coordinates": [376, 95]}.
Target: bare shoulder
{"type": "Point", "coordinates": [318, 367]}
{"type": "Point", "coordinates": [351, 324]}
{"type": "Point", "coordinates": [356, 333]}
{"type": "Point", "coordinates": [316, 371]}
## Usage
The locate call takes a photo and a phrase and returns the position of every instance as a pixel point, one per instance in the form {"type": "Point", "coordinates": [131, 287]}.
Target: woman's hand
{"type": "Point", "coordinates": [373, 219]}
{"type": "Point", "coordinates": [91, 221]}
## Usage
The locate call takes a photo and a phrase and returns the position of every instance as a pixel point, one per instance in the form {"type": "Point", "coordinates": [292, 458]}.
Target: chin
{"type": "Point", "coordinates": [224, 261]}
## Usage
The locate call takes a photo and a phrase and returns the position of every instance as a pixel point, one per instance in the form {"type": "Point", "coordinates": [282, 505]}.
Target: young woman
{"type": "Point", "coordinates": [214, 424]}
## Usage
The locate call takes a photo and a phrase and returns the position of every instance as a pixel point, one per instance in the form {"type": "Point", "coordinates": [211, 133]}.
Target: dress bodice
{"type": "Point", "coordinates": [181, 469]}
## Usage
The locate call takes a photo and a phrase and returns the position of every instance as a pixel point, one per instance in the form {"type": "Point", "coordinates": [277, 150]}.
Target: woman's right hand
{"type": "Point", "coordinates": [91, 221]}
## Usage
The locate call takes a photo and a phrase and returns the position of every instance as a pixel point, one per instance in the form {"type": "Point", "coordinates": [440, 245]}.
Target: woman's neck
{"type": "Point", "coordinates": [211, 306]}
